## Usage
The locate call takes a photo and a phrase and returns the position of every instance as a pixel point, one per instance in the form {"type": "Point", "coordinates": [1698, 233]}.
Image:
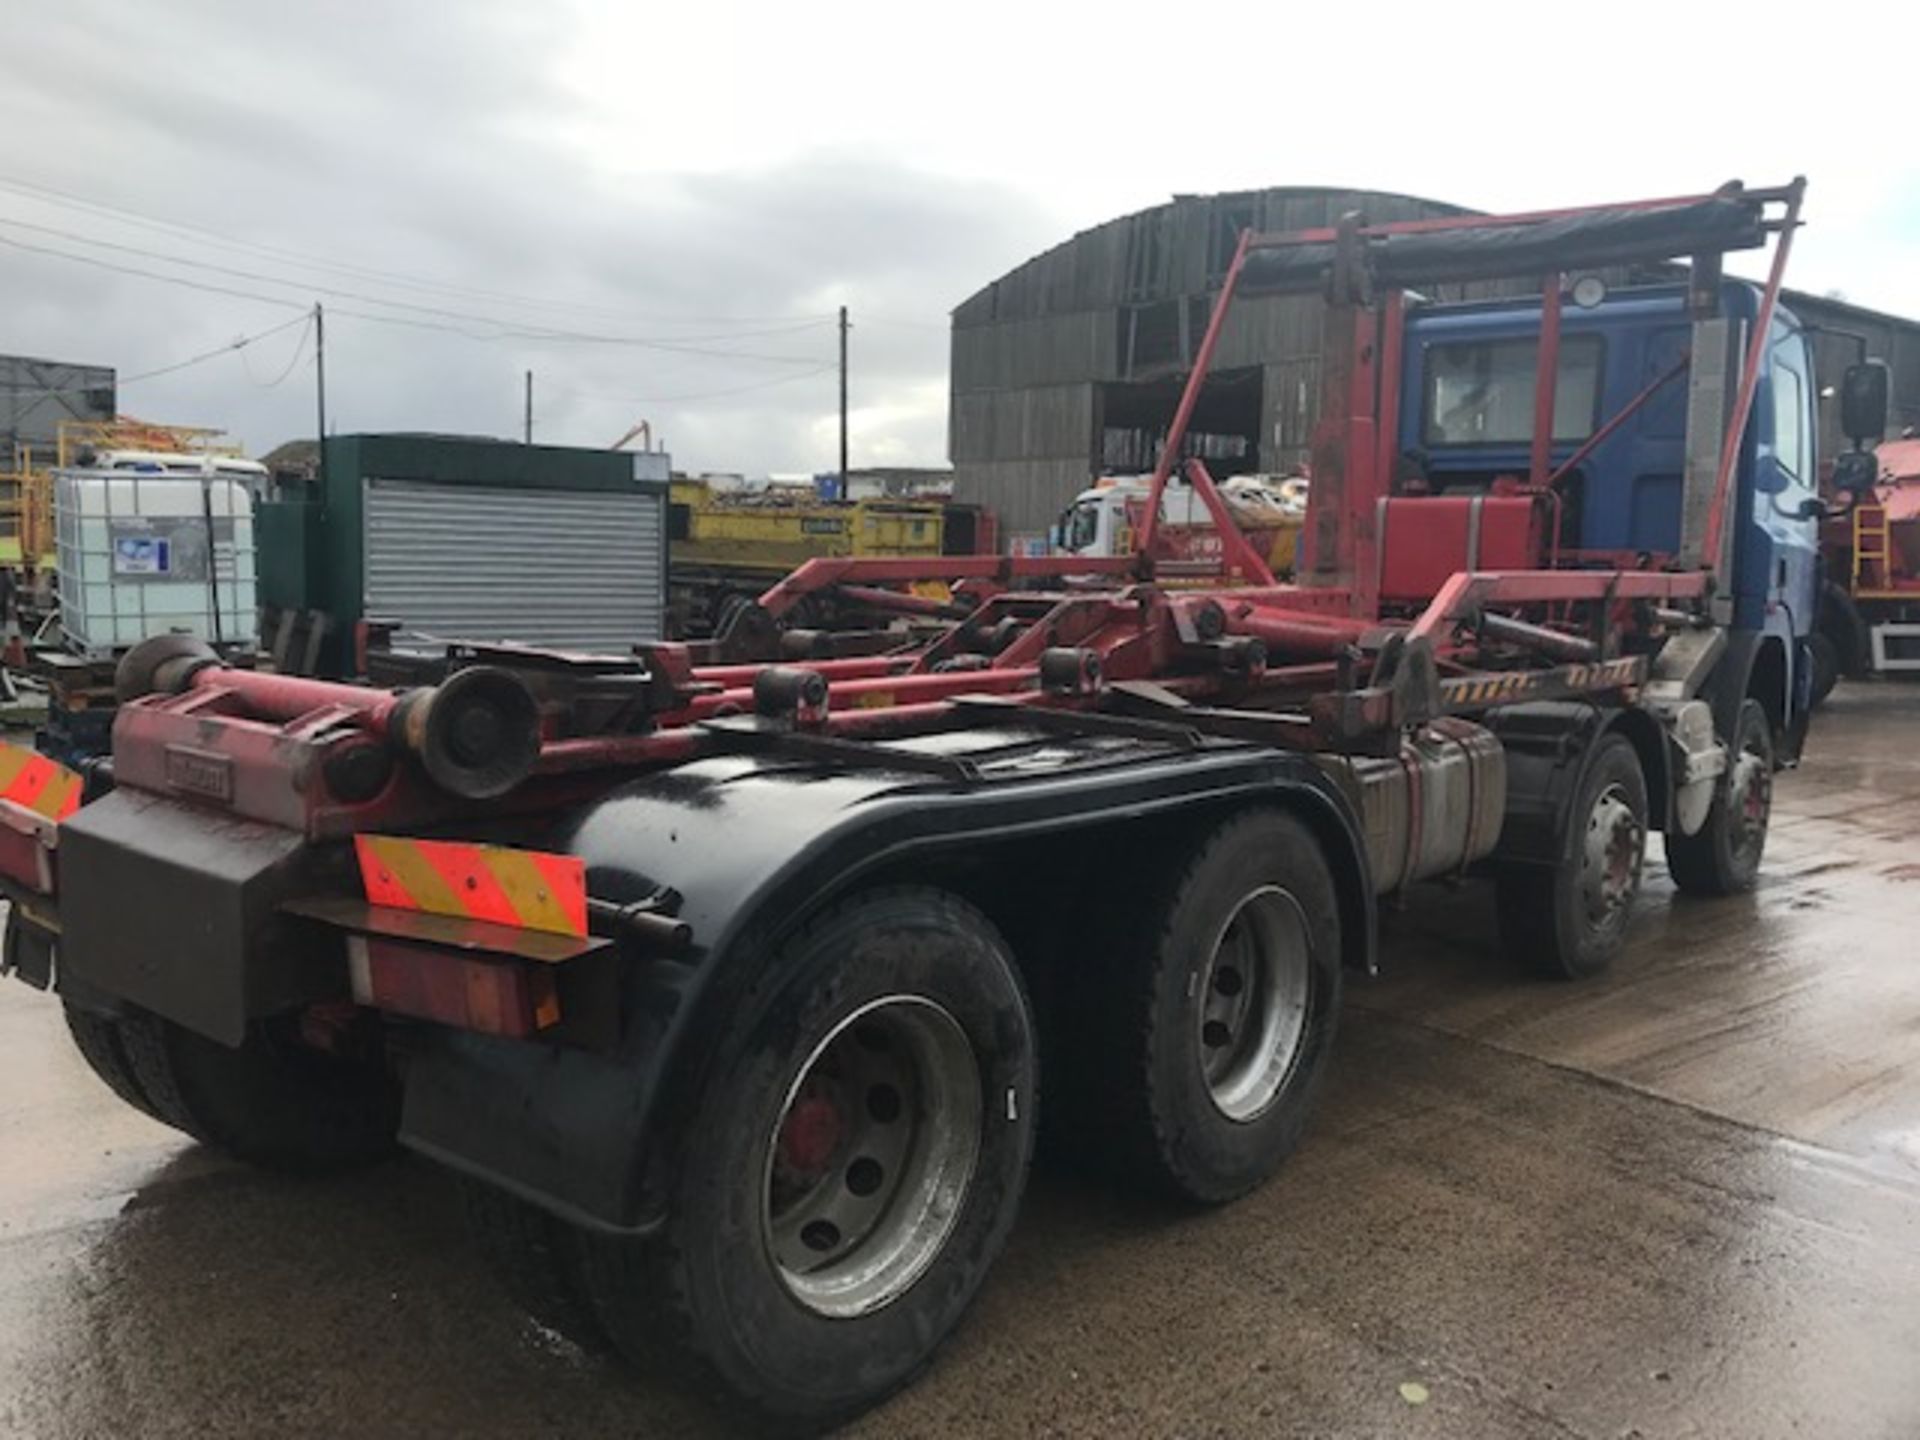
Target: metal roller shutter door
{"type": "Point", "coordinates": [568, 569]}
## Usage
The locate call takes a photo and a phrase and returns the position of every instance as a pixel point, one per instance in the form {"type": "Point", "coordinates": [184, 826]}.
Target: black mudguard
{"type": "Point", "coordinates": [753, 846]}
{"type": "Point", "coordinates": [1732, 681]}
{"type": "Point", "coordinates": [174, 908]}
{"type": "Point", "coordinates": [1549, 745]}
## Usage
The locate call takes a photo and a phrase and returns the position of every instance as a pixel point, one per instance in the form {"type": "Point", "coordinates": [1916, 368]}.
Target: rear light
{"type": "Point", "coordinates": [26, 848]}
{"type": "Point", "coordinates": [478, 937]}
{"type": "Point", "coordinates": [493, 995]}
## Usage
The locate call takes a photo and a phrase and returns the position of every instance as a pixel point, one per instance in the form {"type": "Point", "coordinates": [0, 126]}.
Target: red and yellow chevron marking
{"type": "Point", "coordinates": [33, 782]}
{"type": "Point", "coordinates": [525, 888]}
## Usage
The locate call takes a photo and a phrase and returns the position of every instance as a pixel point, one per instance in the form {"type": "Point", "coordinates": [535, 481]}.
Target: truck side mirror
{"type": "Point", "coordinates": [1864, 393]}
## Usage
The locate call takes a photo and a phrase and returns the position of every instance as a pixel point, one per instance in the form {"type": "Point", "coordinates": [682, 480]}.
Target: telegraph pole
{"type": "Point", "coordinates": [320, 394]}
{"type": "Point", "coordinates": [529, 407]}
{"type": "Point", "coordinates": [844, 482]}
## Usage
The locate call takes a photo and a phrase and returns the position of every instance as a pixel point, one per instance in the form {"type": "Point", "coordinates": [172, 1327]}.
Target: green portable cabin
{"type": "Point", "coordinates": [464, 539]}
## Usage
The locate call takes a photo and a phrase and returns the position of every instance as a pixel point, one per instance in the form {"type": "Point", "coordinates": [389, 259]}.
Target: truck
{"type": "Point", "coordinates": [732, 993]}
{"type": "Point", "coordinates": [1107, 518]}
{"type": "Point", "coordinates": [1868, 621]}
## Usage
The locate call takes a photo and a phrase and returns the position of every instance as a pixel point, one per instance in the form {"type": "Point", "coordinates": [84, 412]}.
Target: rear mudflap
{"type": "Point", "coordinates": [175, 908]}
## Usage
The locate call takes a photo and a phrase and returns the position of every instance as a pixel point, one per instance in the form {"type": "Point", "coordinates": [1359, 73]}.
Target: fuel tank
{"type": "Point", "coordinates": [1434, 808]}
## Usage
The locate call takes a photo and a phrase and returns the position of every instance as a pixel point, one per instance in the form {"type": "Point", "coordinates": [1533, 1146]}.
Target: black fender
{"type": "Point", "coordinates": [752, 846]}
{"type": "Point", "coordinates": [1839, 619]}
{"type": "Point", "coordinates": [1549, 745]}
{"type": "Point", "coordinates": [1727, 684]}
{"type": "Point", "coordinates": [1733, 680]}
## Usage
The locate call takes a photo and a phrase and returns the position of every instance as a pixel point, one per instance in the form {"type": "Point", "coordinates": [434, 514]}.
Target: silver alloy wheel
{"type": "Point", "coordinates": [1610, 856]}
{"type": "Point", "coordinates": [1253, 994]}
{"type": "Point", "coordinates": [872, 1157]}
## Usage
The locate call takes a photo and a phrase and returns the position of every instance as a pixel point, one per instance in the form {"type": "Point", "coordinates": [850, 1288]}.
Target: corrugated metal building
{"type": "Point", "coordinates": [1070, 366]}
{"type": "Point", "coordinates": [37, 395]}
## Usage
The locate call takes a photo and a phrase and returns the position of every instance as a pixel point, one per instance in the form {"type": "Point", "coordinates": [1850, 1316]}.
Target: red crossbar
{"type": "Point", "coordinates": [1469, 590]}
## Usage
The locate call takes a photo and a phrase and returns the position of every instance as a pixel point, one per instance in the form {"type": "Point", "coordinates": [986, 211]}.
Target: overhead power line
{"type": "Point", "coordinates": [201, 235]}
{"type": "Point", "coordinates": [215, 353]}
{"type": "Point", "coordinates": [151, 275]}
{"type": "Point", "coordinates": [508, 329]}
{"type": "Point", "coordinates": [868, 318]}
{"type": "Point", "coordinates": [699, 395]}
{"type": "Point", "coordinates": [205, 355]}
{"type": "Point", "coordinates": [293, 361]}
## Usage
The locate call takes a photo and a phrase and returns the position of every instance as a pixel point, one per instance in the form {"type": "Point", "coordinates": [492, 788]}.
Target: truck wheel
{"type": "Point", "coordinates": [1201, 1050]}
{"type": "Point", "coordinates": [851, 1166]}
{"type": "Point", "coordinates": [272, 1102]}
{"type": "Point", "coordinates": [1723, 856]}
{"type": "Point", "coordinates": [536, 1259]}
{"type": "Point", "coordinates": [1569, 921]}
{"type": "Point", "coordinates": [101, 1045]}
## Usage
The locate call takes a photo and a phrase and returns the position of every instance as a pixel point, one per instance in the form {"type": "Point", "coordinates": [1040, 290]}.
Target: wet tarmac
{"type": "Point", "coordinates": [1681, 1201]}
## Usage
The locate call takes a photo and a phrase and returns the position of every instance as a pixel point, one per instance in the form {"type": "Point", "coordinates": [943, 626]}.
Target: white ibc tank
{"type": "Point", "coordinates": [138, 557]}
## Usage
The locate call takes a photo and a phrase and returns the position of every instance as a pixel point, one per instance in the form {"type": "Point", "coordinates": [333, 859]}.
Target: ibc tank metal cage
{"type": "Point", "coordinates": [142, 554]}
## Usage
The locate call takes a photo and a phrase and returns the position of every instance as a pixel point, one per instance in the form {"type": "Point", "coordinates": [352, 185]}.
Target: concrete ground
{"type": "Point", "coordinates": [1681, 1201]}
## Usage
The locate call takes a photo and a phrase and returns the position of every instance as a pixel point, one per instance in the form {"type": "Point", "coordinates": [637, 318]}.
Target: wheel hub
{"type": "Point", "coordinates": [1610, 856]}
{"type": "Point", "coordinates": [1750, 797]}
{"type": "Point", "coordinates": [809, 1136]}
{"type": "Point", "coordinates": [1253, 995]}
{"type": "Point", "coordinates": [871, 1158]}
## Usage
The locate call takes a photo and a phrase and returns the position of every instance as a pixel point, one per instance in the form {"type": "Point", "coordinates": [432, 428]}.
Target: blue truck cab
{"type": "Point", "coordinates": [1466, 418]}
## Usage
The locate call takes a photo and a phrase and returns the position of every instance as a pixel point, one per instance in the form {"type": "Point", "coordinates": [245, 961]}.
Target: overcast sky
{"type": "Point", "coordinates": [656, 208]}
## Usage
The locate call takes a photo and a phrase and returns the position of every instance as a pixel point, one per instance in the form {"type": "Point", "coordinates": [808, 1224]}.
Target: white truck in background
{"type": "Point", "coordinates": [1105, 520]}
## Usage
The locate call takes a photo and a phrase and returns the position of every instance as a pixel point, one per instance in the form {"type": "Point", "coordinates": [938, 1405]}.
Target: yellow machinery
{"type": "Point", "coordinates": [26, 485]}
{"type": "Point", "coordinates": [724, 545]}
{"type": "Point", "coordinates": [26, 509]}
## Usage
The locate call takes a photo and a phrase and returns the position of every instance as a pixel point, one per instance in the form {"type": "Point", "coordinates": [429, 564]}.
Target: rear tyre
{"type": "Point", "coordinates": [1569, 921]}
{"type": "Point", "coordinates": [536, 1259]}
{"type": "Point", "coordinates": [1723, 856]}
{"type": "Point", "coordinates": [1200, 1051]}
{"type": "Point", "coordinates": [101, 1045]}
{"type": "Point", "coordinates": [851, 1166]}
{"type": "Point", "coordinates": [272, 1101]}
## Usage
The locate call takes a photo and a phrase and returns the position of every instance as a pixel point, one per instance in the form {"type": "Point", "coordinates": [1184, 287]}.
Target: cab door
{"type": "Point", "coordinates": [1785, 480]}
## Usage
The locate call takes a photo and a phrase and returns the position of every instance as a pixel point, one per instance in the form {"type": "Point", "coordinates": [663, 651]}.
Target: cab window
{"type": "Point", "coordinates": [1083, 525]}
{"type": "Point", "coordinates": [1791, 443]}
{"type": "Point", "coordinates": [1481, 392]}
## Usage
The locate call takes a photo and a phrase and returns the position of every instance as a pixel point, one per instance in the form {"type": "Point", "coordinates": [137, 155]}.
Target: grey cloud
{"type": "Point", "coordinates": [433, 140]}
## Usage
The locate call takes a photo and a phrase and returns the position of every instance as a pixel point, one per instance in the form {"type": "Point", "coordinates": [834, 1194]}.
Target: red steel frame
{"type": "Point", "coordinates": [1546, 381]}
{"type": "Point", "coordinates": [1750, 379]}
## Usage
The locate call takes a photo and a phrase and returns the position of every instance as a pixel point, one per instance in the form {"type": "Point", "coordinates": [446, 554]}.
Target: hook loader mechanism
{"type": "Point", "coordinates": [727, 986]}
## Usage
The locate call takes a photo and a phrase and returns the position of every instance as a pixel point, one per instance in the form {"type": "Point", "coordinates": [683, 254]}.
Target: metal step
{"type": "Point", "coordinates": [1908, 656]}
